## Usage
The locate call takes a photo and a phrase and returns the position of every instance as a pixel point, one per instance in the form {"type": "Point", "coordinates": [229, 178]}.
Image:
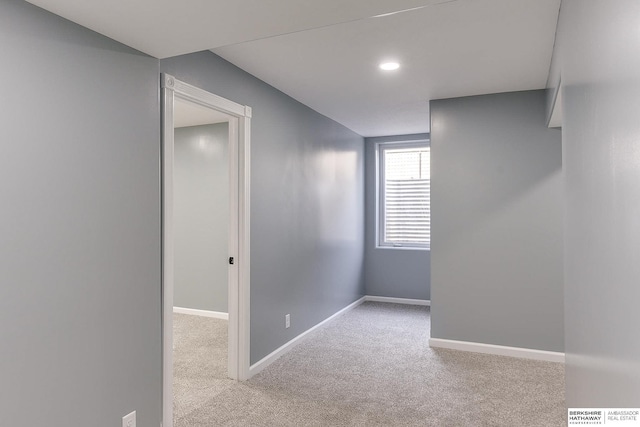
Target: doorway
{"type": "Point", "coordinates": [211, 108]}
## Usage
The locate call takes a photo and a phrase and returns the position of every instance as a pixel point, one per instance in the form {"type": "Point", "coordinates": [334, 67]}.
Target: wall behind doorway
{"type": "Point", "coordinates": [201, 214]}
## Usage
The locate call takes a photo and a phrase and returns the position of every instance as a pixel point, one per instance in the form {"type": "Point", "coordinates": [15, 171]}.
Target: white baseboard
{"type": "Point", "coordinates": [203, 313]}
{"type": "Point", "coordinates": [270, 358]}
{"type": "Point", "coordinates": [398, 300]}
{"type": "Point", "coordinates": [500, 350]}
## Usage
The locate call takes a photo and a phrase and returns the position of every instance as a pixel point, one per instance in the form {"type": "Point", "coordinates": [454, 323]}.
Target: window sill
{"type": "Point", "coordinates": [404, 248]}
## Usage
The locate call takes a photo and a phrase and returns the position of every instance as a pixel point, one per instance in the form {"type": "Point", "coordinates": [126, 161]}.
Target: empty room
{"type": "Point", "coordinates": [329, 213]}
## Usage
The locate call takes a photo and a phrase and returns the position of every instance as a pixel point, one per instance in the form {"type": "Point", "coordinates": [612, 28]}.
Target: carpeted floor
{"type": "Point", "coordinates": [369, 367]}
{"type": "Point", "coordinates": [199, 363]}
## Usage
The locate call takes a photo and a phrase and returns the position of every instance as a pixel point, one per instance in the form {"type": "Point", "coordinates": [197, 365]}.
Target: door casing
{"type": "Point", "coordinates": [239, 221]}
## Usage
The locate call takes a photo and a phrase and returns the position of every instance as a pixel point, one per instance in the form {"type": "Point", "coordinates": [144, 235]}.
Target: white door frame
{"type": "Point", "coordinates": [239, 155]}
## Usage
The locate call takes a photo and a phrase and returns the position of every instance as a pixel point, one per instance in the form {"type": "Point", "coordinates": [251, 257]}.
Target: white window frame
{"type": "Point", "coordinates": [380, 193]}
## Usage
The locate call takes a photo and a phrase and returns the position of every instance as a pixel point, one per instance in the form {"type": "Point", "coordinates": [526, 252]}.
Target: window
{"type": "Point", "coordinates": [404, 172]}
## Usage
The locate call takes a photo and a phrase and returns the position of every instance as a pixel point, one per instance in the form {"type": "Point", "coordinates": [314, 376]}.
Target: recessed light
{"type": "Point", "coordinates": [389, 66]}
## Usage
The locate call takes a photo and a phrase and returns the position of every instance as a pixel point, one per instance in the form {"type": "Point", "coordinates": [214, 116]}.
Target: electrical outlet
{"type": "Point", "coordinates": [287, 320]}
{"type": "Point", "coordinates": [129, 420]}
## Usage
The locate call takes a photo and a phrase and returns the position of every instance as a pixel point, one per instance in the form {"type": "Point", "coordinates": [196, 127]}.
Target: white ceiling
{"type": "Point", "coordinates": [164, 28]}
{"type": "Point", "coordinates": [467, 47]}
{"type": "Point", "coordinates": [325, 53]}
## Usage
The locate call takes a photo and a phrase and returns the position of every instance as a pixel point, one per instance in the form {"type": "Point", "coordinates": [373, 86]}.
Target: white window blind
{"type": "Point", "coordinates": [405, 205]}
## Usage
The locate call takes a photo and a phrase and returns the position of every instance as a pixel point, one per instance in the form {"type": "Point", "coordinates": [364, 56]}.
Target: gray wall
{"type": "Point", "coordinates": [307, 198]}
{"type": "Point", "coordinates": [496, 250]}
{"type": "Point", "coordinates": [79, 226]}
{"type": "Point", "coordinates": [201, 217]}
{"type": "Point", "coordinates": [398, 273]}
{"type": "Point", "coordinates": [597, 55]}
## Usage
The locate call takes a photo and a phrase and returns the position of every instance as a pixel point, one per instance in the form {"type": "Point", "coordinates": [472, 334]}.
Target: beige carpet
{"type": "Point", "coordinates": [373, 367]}
{"type": "Point", "coordinates": [199, 363]}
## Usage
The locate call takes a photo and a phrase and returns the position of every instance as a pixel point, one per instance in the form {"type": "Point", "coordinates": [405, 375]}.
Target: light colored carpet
{"type": "Point", "coordinates": [373, 367]}
{"type": "Point", "coordinates": [199, 363]}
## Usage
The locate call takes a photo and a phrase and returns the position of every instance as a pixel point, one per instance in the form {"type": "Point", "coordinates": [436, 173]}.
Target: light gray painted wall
{"type": "Point", "coordinates": [307, 199]}
{"type": "Point", "coordinates": [398, 273]}
{"type": "Point", "coordinates": [201, 217]}
{"type": "Point", "coordinates": [600, 66]}
{"type": "Point", "coordinates": [496, 250]}
{"type": "Point", "coordinates": [79, 226]}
